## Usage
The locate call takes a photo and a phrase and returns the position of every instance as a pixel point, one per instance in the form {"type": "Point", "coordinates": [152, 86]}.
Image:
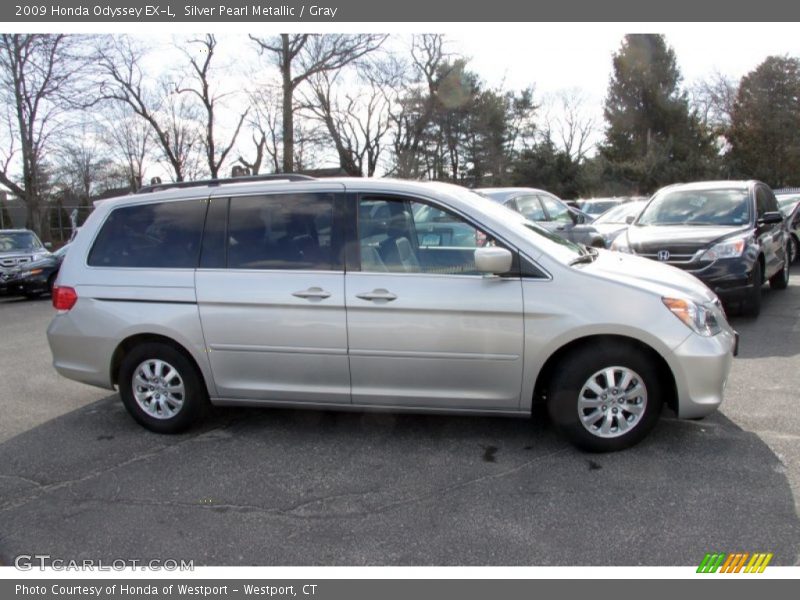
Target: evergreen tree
{"type": "Point", "coordinates": [765, 128]}
{"type": "Point", "coordinates": [652, 137]}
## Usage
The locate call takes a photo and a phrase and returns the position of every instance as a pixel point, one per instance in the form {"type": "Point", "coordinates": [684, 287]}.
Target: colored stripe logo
{"type": "Point", "coordinates": [739, 562]}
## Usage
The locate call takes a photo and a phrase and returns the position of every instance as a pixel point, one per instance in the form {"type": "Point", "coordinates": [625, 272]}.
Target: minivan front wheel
{"type": "Point", "coordinates": [605, 397]}
{"type": "Point", "coordinates": [161, 388]}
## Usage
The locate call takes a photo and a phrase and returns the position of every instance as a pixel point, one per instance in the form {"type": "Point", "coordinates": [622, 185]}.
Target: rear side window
{"type": "Point", "coordinates": [163, 235]}
{"type": "Point", "coordinates": [531, 208]}
{"type": "Point", "coordinates": [281, 231]}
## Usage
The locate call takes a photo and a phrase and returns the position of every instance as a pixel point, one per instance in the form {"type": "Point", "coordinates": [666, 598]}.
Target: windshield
{"type": "Point", "coordinates": [11, 241]}
{"type": "Point", "coordinates": [620, 213]}
{"type": "Point", "coordinates": [723, 207]}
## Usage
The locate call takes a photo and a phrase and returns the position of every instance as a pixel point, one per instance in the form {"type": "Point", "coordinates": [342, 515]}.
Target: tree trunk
{"type": "Point", "coordinates": [288, 109]}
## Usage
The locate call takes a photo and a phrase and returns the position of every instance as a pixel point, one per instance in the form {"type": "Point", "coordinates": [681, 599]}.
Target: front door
{"type": "Point", "coordinates": [425, 328]}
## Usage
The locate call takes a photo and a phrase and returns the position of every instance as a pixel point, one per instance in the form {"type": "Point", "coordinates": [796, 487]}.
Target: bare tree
{"type": "Point", "coordinates": [356, 120]}
{"type": "Point", "coordinates": [713, 99]}
{"type": "Point", "coordinates": [171, 117]}
{"type": "Point", "coordinates": [128, 140]}
{"type": "Point", "coordinates": [264, 125]}
{"type": "Point", "coordinates": [568, 124]}
{"type": "Point", "coordinates": [38, 75]}
{"type": "Point", "coordinates": [414, 102]}
{"type": "Point", "coordinates": [301, 56]}
{"type": "Point", "coordinates": [216, 150]}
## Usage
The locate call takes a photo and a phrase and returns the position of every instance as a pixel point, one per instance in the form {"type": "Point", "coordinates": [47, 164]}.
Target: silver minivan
{"type": "Point", "coordinates": [372, 294]}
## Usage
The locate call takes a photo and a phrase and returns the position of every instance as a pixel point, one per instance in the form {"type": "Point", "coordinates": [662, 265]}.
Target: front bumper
{"type": "Point", "coordinates": [730, 279]}
{"type": "Point", "coordinates": [23, 286]}
{"type": "Point", "coordinates": [701, 366]}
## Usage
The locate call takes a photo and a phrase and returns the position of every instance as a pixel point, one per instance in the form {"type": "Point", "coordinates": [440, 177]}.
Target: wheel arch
{"type": "Point", "coordinates": [666, 376]}
{"type": "Point", "coordinates": [130, 342]}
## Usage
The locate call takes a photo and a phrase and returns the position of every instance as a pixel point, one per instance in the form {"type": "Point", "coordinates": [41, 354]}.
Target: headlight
{"type": "Point", "coordinates": [30, 273]}
{"type": "Point", "coordinates": [620, 244]}
{"type": "Point", "coordinates": [700, 319]}
{"type": "Point", "coordinates": [728, 249]}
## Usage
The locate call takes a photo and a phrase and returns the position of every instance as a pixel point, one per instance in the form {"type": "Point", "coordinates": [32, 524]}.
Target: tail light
{"type": "Point", "coordinates": [64, 298]}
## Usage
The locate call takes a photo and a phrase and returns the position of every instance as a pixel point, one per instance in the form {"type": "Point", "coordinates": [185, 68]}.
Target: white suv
{"type": "Point", "coordinates": [377, 294]}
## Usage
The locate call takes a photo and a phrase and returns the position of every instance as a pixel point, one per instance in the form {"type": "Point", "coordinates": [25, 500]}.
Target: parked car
{"type": "Point", "coordinates": [793, 226]}
{"type": "Point", "coordinates": [730, 234]}
{"type": "Point", "coordinates": [597, 206]}
{"type": "Point", "coordinates": [787, 201]}
{"type": "Point", "coordinates": [616, 220]}
{"type": "Point", "coordinates": [549, 211]}
{"type": "Point", "coordinates": [37, 277]}
{"type": "Point", "coordinates": [18, 247]}
{"type": "Point", "coordinates": [326, 294]}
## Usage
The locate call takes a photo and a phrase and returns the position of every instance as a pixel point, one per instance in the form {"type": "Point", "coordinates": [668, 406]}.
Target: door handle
{"type": "Point", "coordinates": [379, 294]}
{"type": "Point", "coordinates": [312, 293]}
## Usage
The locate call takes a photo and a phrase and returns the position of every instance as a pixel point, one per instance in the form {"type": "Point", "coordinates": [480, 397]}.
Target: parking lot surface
{"type": "Point", "coordinates": [79, 479]}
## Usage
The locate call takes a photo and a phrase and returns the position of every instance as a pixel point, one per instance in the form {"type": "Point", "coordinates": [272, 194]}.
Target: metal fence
{"type": "Point", "coordinates": [59, 221]}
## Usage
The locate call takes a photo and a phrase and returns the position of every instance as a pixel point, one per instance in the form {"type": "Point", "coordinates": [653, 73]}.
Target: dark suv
{"type": "Point", "coordinates": [729, 234]}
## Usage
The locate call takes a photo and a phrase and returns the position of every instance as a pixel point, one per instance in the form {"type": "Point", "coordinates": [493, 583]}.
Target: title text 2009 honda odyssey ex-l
{"type": "Point", "coordinates": [377, 294]}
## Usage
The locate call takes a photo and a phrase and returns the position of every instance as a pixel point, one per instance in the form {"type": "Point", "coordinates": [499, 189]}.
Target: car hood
{"type": "Point", "coordinates": [656, 277]}
{"type": "Point", "coordinates": [655, 237]}
{"type": "Point", "coordinates": [607, 228]}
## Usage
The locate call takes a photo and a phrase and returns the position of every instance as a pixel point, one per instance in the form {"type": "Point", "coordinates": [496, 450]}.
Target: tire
{"type": "Point", "coordinates": [174, 408]}
{"type": "Point", "coordinates": [780, 281]}
{"type": "Point", "coordinates": [751, 305]}
{"type": "Point", "coordinates": [570, 396]}
{"type": "Point", "coordinates": [51, 282]}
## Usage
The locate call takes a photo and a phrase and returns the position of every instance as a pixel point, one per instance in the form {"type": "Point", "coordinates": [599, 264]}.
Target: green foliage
{"type": "Point", "coordinates": [765, 127]}
{"type": "Point", "coordinates": [543, 166]}
{"type": "Point", "coordinates": [471, 134]}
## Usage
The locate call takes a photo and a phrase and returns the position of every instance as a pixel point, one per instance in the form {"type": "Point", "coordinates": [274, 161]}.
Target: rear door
{"type": "Point", "coordinates": [270, 290]}
{"type": "Point", "coordinates": [425, 329]}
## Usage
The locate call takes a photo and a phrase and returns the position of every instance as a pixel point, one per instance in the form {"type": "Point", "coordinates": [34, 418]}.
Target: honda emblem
{"type": "Point", "coordinates": [663, 255]}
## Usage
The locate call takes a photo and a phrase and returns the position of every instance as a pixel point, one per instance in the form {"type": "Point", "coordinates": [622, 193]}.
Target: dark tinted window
{"type": "Point", "coordinates": [165, 235]}
{"type": "Point", "coordinates": [282, 231]}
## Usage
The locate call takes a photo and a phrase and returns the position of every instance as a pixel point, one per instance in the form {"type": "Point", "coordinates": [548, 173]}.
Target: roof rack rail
{"type": "Point", "coordinates": [156, 187]}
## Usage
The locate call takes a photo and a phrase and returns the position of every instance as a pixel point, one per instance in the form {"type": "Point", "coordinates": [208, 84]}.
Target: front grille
{"type": "Point", "coordinates": [14, 261]}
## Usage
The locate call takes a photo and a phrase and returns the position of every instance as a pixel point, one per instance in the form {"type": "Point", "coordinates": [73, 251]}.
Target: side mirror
{"type": "Point", "coordinates": [771, 218]}
{"type": "Point", "coordinates": [629, 219]}
{"type": "Point", "coordinates": [493, 261]}
{"type": "Point", "coordinates": [48, 245]}
{"type": "Point", "coordinates": [577, 218]}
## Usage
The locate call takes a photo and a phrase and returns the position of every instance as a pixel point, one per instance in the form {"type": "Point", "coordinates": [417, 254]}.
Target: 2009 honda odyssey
{"type": "Point", "coordinates": [377, 294]}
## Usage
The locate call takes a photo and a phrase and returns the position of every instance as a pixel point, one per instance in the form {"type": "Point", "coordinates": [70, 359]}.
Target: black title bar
{"type": "Point", "coordinates": [451, 11]}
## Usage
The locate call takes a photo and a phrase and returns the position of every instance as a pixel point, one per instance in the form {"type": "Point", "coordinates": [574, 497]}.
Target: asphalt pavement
{"type": "Point", "coordinates": [79, 479]}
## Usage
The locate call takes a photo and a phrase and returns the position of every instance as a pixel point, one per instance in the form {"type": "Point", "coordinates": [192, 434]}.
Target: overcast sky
{"type": "Point", "coordinates": [549, 56]}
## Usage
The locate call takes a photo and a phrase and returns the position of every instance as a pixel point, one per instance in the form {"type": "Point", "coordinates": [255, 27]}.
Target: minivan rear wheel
{"type": "Point", "coordinates": [160, 388]}
{"type": "Point", "coordinates": [605, 397]}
